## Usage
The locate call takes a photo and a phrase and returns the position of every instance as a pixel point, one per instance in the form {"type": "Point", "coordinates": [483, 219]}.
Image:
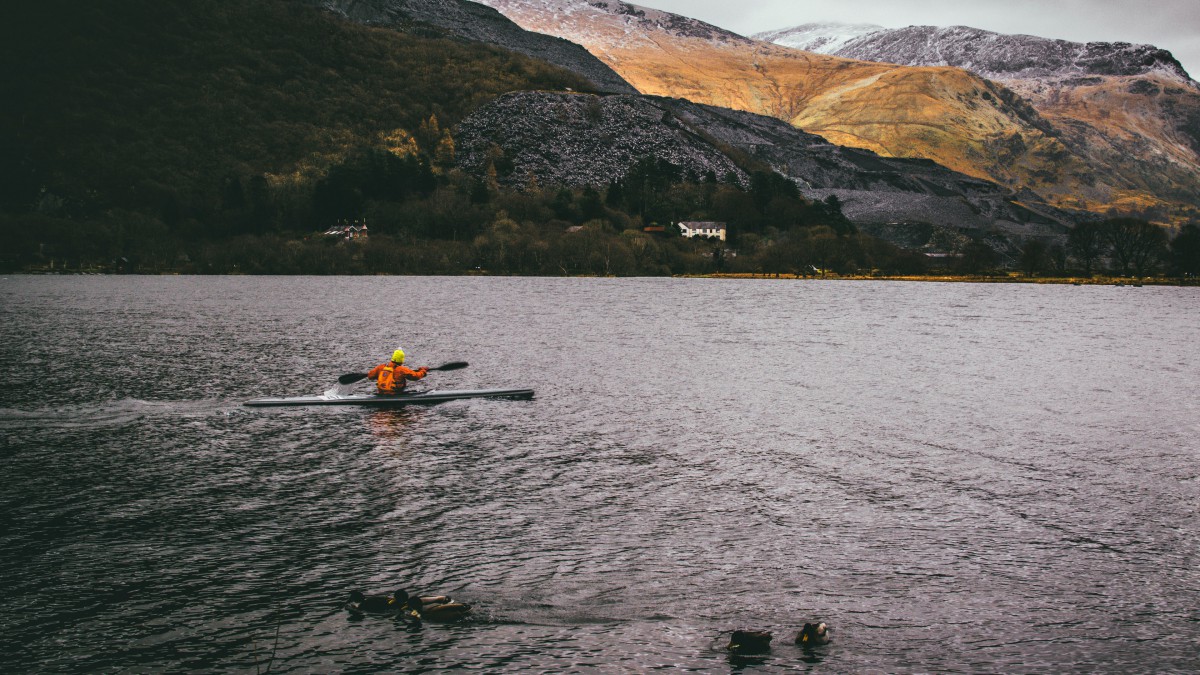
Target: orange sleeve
{"type": "Point", "coordinates": [374, 374]}
{"type": "Point", "coordinates": [412, 374]}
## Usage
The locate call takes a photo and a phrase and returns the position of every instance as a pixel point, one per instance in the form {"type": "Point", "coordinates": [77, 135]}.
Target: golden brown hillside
{"type": "Point", "coordinates": [945, 114]}
{"type": "Point", "coordinates": [1142, 132]}
{"type": "Point", "coordinates": [948, 115]}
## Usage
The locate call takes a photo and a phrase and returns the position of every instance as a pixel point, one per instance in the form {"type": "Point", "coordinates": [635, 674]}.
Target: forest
{"type": "Point", "coordinates": [424, 220]}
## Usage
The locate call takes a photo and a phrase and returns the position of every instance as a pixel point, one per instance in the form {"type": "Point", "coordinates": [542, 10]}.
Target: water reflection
{"type": "Point", "coordinates": [393, 424]}
{"type": "Point", "coordinates": [812, 655]}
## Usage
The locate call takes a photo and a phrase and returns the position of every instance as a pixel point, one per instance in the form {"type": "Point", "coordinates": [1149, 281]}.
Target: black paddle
{"type": "Point", "coordinates": [351, 378]}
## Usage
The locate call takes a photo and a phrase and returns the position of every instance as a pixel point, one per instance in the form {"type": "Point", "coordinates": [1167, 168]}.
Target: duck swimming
{"type": "Point", "coordinates": [360, 603]}
{"type": "Point", "coordinates": [750, 642]}
{"type": "Point", "coordinates": [438, 608]}
{"type": "Point", "coordinates": [813, 634]}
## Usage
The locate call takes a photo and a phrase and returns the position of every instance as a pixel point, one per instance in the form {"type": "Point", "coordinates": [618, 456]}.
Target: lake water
{"type": "Point", "coordinates": [954, 477]}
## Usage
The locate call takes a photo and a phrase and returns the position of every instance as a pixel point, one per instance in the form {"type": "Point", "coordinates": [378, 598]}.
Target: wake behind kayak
{"type": "Point", "coordinates": [395, 400]}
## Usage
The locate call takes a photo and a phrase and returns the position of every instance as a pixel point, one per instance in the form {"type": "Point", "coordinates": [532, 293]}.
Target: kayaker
{"type": "Point", "coordinates": [391, 377]}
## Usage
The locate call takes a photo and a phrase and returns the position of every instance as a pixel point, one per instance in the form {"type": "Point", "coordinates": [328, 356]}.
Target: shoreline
{"type": "Point", "coordinates": [960, 278]}
{"type": "Point", "coordinates": [1013, 278]}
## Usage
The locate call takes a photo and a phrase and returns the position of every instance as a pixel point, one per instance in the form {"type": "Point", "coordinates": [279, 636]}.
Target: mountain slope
{"type": "Point", "coordinates": [475, 22]}
{"type": "Point", "coordinates": [992, 55]}
{"type": "Point", "coordinates": [665, 54]}
{"type": "Point", "coordinates": [146, 104]}
{"type": "Point", "coordinates": [1129, 112]}
{"type": "Point", "coordinates": [577, 140]}
{"type": "Point", "coordinates": [953, 117]}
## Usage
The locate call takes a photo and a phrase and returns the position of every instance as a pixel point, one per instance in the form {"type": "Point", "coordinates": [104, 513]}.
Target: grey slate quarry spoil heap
{"type": "Point", "coordinates": [582, 139]}
{"type": "Point", "coordinates": [576, 140]}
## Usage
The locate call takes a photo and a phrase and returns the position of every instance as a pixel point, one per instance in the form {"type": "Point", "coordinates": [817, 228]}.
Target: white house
{"type": "Point", "coordinates": [346, 231]}
{"type": "Point", "coordinates": [702, 229]}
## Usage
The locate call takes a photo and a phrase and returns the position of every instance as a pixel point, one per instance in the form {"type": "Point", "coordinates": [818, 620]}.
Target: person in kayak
{"type": "Point", "coordinates": [391, 377]}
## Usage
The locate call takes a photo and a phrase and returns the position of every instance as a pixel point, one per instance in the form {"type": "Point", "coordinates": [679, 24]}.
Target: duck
{"type": "Point", "coordinates": [361, 603]}
{"type": "Point", "coordinates": [750, 642]}
{"type": "Point", "coordinates": [437, 608]}
{"type": "Point", "coordinates": [813, 634]}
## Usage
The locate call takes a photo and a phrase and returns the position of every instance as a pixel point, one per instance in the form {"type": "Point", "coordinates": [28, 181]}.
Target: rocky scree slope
{"type": "Point", "coordinates": [577, 140]}
{"type": "Point", "coordinates": [580, 139]}
{"type": "Point", "coordinates": [473, 21]}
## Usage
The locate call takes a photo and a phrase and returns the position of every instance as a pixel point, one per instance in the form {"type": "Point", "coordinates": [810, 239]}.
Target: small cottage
{"type": "Point", "coordinates": [348, 231]}
{"type": "Point", "coordinates": [697, 228]}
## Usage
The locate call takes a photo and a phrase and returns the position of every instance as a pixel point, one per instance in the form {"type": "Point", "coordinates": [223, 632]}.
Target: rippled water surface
{"type": "Point", "coordinates": [955, 477]}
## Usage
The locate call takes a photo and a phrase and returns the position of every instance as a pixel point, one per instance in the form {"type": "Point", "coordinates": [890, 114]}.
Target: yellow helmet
{"type": "Point", "coordinates": [398, 356]}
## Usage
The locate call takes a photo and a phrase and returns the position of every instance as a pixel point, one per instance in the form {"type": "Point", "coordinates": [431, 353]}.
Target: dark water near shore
{"type": "Point", "coordinates": [955, 477]}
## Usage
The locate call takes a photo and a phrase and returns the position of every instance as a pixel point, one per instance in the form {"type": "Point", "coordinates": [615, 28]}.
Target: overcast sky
{"type": "Point", "coordinates": [1173, 25]}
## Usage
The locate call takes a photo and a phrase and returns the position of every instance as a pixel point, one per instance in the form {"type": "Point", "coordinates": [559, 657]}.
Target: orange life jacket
{"type": "Point", "coordinates": [387, 380]}
{"type": "Point", "coordinates": [392, 377]}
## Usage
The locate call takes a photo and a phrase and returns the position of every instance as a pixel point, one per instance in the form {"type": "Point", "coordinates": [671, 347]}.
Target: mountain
{"type": "Point", "coordinates": [553, 138]}
{"type": "Point", "coordinates": [992, 55]}
{"type": "Point", "coordinates": [576, 140]}
{"type": "Point", "coordinates": [219, 118]}
{"type": "Point", "coordinates": [955, 117]}
{"type": "Point", "coordinates": [1130, 112]}
{"type": "Point", "coordinates": [949, 115]}
{"type": "Point", "coordinates": [478, 23]}
{"type": "Point", "coordinates": [664, 54]}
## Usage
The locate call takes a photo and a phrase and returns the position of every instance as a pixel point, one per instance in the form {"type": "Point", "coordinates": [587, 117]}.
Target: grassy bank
{"type": "Point", "coordinates": [1012, 278]}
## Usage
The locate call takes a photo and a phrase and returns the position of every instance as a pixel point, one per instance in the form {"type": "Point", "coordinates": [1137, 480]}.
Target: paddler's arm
{"type": "Point", "coordinates": [374, 374]}
{"type": "Point", "coordinates": [414, 374]}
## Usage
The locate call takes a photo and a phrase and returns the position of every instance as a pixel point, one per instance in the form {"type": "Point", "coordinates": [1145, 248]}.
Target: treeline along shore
{"type": "Point", "coordinates": [422, 221]}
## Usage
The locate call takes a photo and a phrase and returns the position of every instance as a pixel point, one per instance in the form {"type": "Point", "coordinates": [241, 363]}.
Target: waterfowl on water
{"type": "Point", "coordinates": [360, 603]}
{"type": "Point", "coordinates": [437, 608]}
{"type": "Point", "coordinates": [410, 608]}
{"type": "Point", "coordinates": [750, 642]}
{"type": "Point", "coordinates": [813, 634]}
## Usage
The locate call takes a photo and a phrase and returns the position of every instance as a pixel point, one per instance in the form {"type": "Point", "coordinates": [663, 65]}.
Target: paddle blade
{"type": "Point", "coordinates": [453, 365]}
{"type": "Point", "coordinates": [351, 378]}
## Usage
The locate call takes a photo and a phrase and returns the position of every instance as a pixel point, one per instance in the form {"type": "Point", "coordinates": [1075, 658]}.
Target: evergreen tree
{"type": "Point", "coordinates": [1185, 251]}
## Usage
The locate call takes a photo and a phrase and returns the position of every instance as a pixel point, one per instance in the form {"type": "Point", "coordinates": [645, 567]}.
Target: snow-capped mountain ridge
{"type": "Point", "coordinates": [823, 38]}
{"type": "Point", "coordinates": [601, 24]}
{"type": "Point", "coordinates": [986, 53]}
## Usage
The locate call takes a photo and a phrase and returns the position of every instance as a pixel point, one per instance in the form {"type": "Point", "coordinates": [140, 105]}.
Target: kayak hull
{"type": "Point", "coordinates": [396, 401]}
